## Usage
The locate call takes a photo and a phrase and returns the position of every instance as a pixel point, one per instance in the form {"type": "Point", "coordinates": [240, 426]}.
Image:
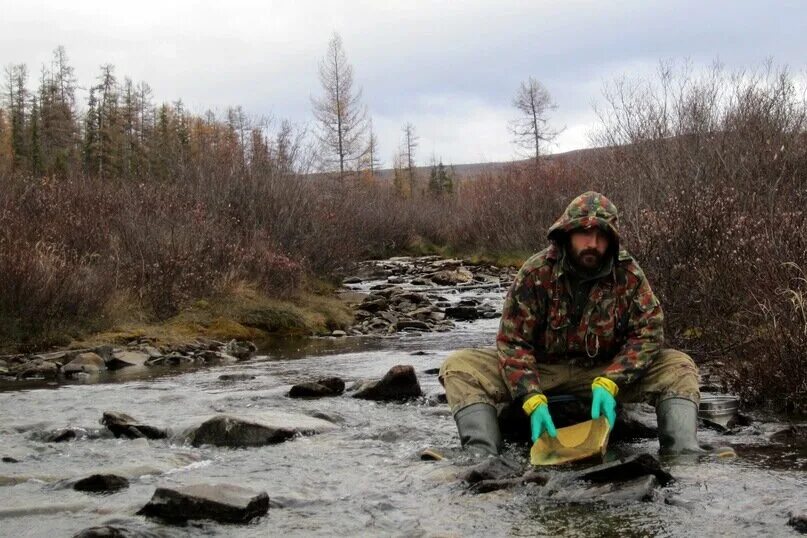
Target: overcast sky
{"type": "Point", "coordinates": [450, 68]}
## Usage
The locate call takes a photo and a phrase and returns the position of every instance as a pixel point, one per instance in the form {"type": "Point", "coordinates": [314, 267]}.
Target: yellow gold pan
{"type": "Point", "coordinates": [573, 443]}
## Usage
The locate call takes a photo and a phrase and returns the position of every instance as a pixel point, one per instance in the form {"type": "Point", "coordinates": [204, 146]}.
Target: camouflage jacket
{"type": "Point", "coordinates": [621, 328]}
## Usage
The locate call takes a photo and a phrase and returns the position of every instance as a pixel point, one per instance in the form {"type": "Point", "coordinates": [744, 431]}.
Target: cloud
{"type": "Point", "coordinates": [451, 68]}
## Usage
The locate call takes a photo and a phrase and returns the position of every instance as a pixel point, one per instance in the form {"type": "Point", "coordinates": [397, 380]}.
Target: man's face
{"type": "Point", "coordinates": [588, 247]}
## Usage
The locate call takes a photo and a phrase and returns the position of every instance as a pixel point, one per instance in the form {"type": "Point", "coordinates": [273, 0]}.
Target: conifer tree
{"type": "Point", "coordinates": [339, 113]}
{"type": "Point", "coordinates": [17, 99]}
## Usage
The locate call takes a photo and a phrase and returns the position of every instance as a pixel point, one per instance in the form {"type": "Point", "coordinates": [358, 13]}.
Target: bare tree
{"type": "Point", "coordinates": [410, 142]}
{"type": "Point", "coordinates": [370, 160]}
{"type": "Point", "coordinates": [531, 130]}
{"type": "Point", "coordinates": [339, 111]}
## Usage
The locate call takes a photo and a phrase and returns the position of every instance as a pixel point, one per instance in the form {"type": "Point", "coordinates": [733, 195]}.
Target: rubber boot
{"type": "Point", "coordinates": [677, 430]}
{"type": "Point", "coordinates": [478, 426]}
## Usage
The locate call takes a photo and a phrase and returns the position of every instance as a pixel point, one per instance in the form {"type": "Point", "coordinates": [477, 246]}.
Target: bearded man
{"type": "Point", "coordinates": [580, 319]}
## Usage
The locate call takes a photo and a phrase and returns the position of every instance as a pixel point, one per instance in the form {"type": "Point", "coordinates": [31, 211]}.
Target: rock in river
{"type": "Point", "coordinates": [452, 278]}
{"type": "Point", "coordinates": [462, 313]}
{"type": "Point", "coordinates": [123, 530]}
{"type": "Point", "coordinates": [123, 425]}
{"type": "Point", "coordinates": [37, 369]}
{"type": "Point", "coordinates": [798, 520]}
{"type": "Point", "coordinates": [400, 383]}
{"type": "Point", "coordinates": [224, 503]}
{"type": "Point", "coordinates": [84, 362]}
{"type": "Point", "coordinates": [124, 359]}
{"type": "Point", "coordinates": [637, 489]}
{"type": "Point", "coordinates": [625, 469]}
{"type": "Point", "coordinates": [260, 430]}
{"type": "Point", "coordinates": [330, 386]}
{"type": "Point", "coordinates": [101, 483]}
{"type": "Point", "coordinates": [629, 479]}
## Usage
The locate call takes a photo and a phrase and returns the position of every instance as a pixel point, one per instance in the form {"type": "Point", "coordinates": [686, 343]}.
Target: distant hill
{"type": "Point", "coordinates": [473, 170]}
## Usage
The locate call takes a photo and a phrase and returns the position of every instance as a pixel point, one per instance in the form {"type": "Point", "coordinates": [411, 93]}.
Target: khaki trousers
{"type": "Point", "coordinates": [472, 376]}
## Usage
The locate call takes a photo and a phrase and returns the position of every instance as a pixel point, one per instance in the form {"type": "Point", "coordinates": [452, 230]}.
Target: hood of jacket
{"type": "Point", "coordinates": [588, 210]}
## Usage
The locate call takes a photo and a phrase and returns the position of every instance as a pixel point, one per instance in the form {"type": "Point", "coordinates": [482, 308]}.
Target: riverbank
{"type": "Point", "coordinates": [381, 298]}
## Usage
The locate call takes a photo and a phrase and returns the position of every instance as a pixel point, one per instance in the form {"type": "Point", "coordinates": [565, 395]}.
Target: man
{"type": "Point", "coordinates": [579, 319]}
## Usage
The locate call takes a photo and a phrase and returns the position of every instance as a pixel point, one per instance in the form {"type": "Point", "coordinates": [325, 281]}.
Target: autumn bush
{"type": "Point", "coordinates": [708, 169]}
{"type": "Point", "coordinates": [709, 172]}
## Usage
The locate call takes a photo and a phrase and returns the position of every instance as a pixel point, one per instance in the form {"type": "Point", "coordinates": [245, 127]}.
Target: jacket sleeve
{"type": "Point", "coordinates": [522, 315]}
{"type": "Point", "coordinates": [644, 336]}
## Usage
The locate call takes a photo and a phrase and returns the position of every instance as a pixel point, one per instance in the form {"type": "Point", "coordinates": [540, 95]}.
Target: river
{"type": "Point", "coordinates": [364, 478]}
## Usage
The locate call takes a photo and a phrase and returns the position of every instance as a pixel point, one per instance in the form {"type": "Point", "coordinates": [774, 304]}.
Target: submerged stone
{"type": "Point", "coordinates": [266, 429]}
{"type": "Point", "coordinates": [636, 489]}
{"type": "Point", "coordinates": [625, 469]}
{"type": "Point", "coordinates": [399, 383]}
{"type": "Point", "coordinates": [101, 483]}
{"type": "Point", "coordinates": [224, 503]}
{"type": "Point", "coordinates": [61, 436]}
{"type": "Point", "coordinates": [236, 377]}
{"type": "Point", "coordinates": [530, 477]}
{"type": "Point", "coordinates": [116, 531]}
{"type": "Point", "coordinates": [492, 468]}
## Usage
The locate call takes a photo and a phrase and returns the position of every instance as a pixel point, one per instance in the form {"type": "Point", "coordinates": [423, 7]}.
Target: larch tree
{"type": "Point", "coordinates": [17, 103]}
{"type": "Point", "coordinates": [370, 160]}
{"type": "Point", "coordinates": [410, 143]}
{"type": "Point", "coordinates": [109, 124]}
{"type": "Point", "coordinates": [339, 112]}
{"type": "Point", "coordinates": [5, 146]}
{"type": "Point", "coordinates": [57, 109]}
{"type": "Point", "coordinates": [531, 130]}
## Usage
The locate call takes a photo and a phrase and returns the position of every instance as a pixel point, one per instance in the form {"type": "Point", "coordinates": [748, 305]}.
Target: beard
{"type": "Point", "coordinates": [588, 259]}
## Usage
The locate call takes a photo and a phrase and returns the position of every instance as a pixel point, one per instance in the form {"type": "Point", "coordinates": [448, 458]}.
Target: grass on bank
{"type": "Point", "coordinates": [242, 312]}
{"type": "Point", "coordinates": [420, 246]}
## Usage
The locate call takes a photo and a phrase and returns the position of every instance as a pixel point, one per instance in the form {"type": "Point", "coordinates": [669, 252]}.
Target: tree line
{"type": "Point", "coordinates": [122, 133]}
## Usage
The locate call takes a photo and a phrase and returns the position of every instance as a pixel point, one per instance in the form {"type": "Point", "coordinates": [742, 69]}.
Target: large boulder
{"type": "Point", "coordinates": [452, 277]}
{"type": "Point", "coordinates": [224, 503]}
{"type": "Point", "coordinates": [265, 429]}
{"type": "Point", "coordinates": [88, 362]}
{"type": "Point", "coordinates": [240, 349]}
{"type": "Point", "coordinates": [123, 425]}
{"type": "Point", "coordinates": [399, 383]}
{"type": "Point", "coordinates": [125, 359]}
{"type": "Point", "coordinates": [373, 304]}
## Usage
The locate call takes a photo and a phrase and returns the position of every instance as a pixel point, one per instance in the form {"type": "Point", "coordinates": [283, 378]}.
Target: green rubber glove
{"type": "Point", "coordinates": [602, 400]}
{"type": "Point", "coordinates": [541, 421]}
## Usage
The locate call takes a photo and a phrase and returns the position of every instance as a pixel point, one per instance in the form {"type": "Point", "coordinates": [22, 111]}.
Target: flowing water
{"type": "Point", "coordinates": [363, 479]}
